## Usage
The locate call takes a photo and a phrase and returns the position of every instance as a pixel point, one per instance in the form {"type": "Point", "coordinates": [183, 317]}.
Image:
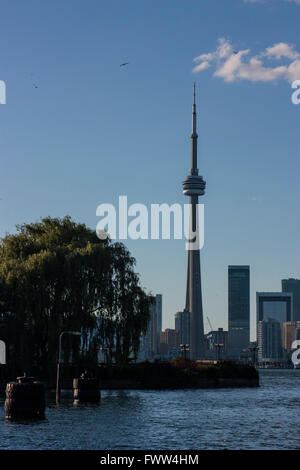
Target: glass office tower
{"type": "Point", "coordinates": [293, 286]}
{"type": "Point", "coordinates": [238, 309]}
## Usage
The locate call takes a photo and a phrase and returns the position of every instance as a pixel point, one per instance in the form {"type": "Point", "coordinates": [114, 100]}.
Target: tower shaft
{"type": "Point", "coordinates": [194, 291]}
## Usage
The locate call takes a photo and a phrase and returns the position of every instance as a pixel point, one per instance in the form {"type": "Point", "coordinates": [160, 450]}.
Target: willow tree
{"type": "Point", "coordinates": [57, 275]}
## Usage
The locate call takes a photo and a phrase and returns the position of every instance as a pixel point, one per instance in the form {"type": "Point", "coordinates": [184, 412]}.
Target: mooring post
{"type": "Point", "coordinates": [58, 384]}
{"type": "Point", "coordinates": [58, 374]}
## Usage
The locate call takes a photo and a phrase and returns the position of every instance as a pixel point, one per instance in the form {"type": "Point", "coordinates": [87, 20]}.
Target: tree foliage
{"type": "Point", "coordinates": [56, 275]}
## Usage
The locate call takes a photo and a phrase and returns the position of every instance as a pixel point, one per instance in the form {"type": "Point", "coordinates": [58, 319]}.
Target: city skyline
{"type": "Point", "coordinates": [87, 115]}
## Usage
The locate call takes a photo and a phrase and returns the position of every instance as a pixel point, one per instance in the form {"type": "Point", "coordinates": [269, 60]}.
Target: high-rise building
{"type": "Point", "coordinates": [269, 340]}
{"type": "Point", "coordinates": [178, 321]}
{"type": "Point", "coordinates": [182, 325]}
{"type": "Point", "coordinates": [238, 309]}
{"type": "Point", "coordinates": [213, 338]}
{"type": "Point", "coordinates": [276, 305]}
{"type": "Point", "coordinates": [150, 341]}
{"type": "Point", "coordinates": [158, 305]}
{"type": "Point", "coordinates": [293, 286]}
{"type": "Point", "coordinates": [169, 339]}
{"type": "Point", "coordinates": [193, 187]}
{"type": "Point", "coordinates": [290, 333]}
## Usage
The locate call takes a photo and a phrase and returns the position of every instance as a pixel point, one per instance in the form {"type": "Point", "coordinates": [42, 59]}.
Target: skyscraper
{"type": "Point", "coordinates": [290, 333]}
{"type": "Point", "coordinates": [194, 186]}
{"type": "Point", "coordinates": [169, 339]}
{"type": "Point", "coordinates": [293, 286]}
{"type": "Point", "coordinates": [182, 324]}
{"type": "Point", "coordinates": [150, 341]}
{"type": "Point", "coordinates": [158, 303]}
{"type": "Point", "coordinates": [238, 309]}
{"type": "Point", "coordinates": [269, 340]}
{"type": "Point", "coordinates": [158, 310]}
{"type": "Point", "coordinates": [276, 305]}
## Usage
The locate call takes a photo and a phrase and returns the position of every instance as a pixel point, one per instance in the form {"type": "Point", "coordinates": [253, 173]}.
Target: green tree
{"type": "Point", "coordinates": [57, 275]}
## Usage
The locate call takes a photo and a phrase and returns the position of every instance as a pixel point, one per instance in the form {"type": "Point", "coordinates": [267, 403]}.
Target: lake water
{"type": "Point", "coordinates": [261, 418]}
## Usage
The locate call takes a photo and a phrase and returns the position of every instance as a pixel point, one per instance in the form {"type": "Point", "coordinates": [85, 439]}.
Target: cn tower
{"type": "Point", "coordinates": [194, 186]}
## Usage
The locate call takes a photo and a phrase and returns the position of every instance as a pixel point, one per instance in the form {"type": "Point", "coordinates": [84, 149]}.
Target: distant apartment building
{"type": "Point", "coordinates": [213, 338]}
{"type": "Point", "coordinates": [150, 341]}
{"type": "Point", "coordinates": [158, 303]}
{"type": "Point", "coordinates": [293, 286]}
{"type": "Point", "coordinates": [269, 340]}
{"type": "Point", "coordinates": [290, 333]}
{"type": "Point", "coordinates": [169, 340]}
{"type": "Point", "coordinates": [238, 309]}
{"type": "Point", "coordinates": [182, 325]}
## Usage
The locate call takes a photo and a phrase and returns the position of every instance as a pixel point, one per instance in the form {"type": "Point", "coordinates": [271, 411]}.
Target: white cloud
{"type": "Point", "coordinates": [255, 71]}
{"type": "Point", "coordinates": [204, 65]}
{"type": "Point", "coordinates": [223, 50]}
{"type": "Point", "coordinates": [234, 65]}
{"type": "Point", "coordinates": [293, 71]}
{"type": "Point", "coordinates": [230, 68]}
{"type": "Point", "coordinates": [281, 49]}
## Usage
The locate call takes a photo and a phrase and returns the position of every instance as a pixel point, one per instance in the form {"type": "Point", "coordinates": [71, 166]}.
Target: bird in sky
{"type": "Point", "coordinates": [33, 79]}
{"type": "Point", "coordinates": [124, 63]}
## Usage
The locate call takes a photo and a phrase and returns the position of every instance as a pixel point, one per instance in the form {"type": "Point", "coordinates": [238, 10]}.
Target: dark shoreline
{"type": "Point", "coordinates": [164, 376]}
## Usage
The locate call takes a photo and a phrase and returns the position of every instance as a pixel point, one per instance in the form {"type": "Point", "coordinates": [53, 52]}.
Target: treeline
{"type": "Point", "coordinates": [56, 275]}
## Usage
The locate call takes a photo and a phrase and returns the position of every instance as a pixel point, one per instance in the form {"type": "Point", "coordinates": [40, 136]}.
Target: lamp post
{"type": "Point", "coordinates": [253, 350]}
{"type": "Point", "coordinates": [58, 376]}
{"type": "Point", "coordinates": [184, 348]}
{"type": "Point", "coordinates": [218, 346]}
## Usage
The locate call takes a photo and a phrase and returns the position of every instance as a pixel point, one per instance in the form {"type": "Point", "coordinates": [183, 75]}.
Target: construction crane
{"type": "Point", "coordinates": [211, 328]}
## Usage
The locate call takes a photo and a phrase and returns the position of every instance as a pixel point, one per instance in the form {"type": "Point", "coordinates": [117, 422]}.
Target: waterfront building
{"type": "Point", "coordinates": [169, 340]}
{"type": "Point", "coordinates": [182, 325]}
{"type": "Point", "coordinates": [293, 286]}
{"type": "Point", "coordinates": [269, 340]}
{"type": "Point", "coordinates": [150, 341]}
{"type": "Point", "coordinates": [290, 333]}
{"type": "Point", "coordinates": [276, 305]}
{"type": "Point", "coordinates": [238, 309]}
{"type": "Point", "coordinates": [158, 304]}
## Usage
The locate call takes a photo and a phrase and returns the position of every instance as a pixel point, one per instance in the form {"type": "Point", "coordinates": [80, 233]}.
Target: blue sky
{"type": "Point", "coordinates": [92, 131]}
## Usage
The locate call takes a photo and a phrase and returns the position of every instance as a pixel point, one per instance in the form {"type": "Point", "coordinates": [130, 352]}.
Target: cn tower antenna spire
{"type": "Point", "coordinates": [194, 136]}
{"type": "Point", "coordinates": [194, 127]}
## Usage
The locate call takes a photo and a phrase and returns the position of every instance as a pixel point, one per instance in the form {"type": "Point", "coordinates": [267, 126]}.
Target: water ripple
{"type": "Point", "coordinates": [262, 418]}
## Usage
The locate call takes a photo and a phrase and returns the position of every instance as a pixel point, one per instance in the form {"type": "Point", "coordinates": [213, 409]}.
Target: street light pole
{"type": "Point", "coordinates": [253, 349]}
{"type": "Point", "coordinates": [58, 374]}
{"type": "Point", "coordinates": [184, 349]}
{"type": "Point", "coordinates": [219, 346]}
